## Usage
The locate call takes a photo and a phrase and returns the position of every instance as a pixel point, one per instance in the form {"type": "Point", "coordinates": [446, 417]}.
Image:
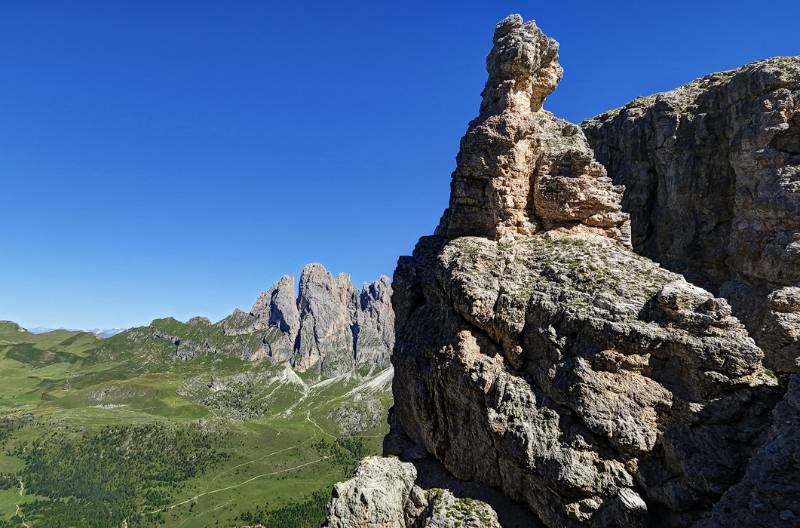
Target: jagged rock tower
{"type": "Point", "coordinates": [329, 326]}
{"type": "Point", "coordinates": [536, 353]}
{"type": "Point", "coordinates": [521, 170]}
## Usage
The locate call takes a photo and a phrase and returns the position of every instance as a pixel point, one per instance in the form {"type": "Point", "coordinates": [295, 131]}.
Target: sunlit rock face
{"type": "Point", "coordinates": [329, 325]}
{"type": "Point", "coordinates": [536, 352]}
{"type": "Point", "coordinates": [539, 352]}
{"type": "Point", "coordinates": [522, 170]}
{"type": "Point", "coordinates": [383, 494]}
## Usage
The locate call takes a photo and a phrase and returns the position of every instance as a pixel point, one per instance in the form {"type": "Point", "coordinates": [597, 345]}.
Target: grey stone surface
{"type": "Point", "coordinates": [383, 494]}
{"type": "Point", "coordinates": [325, 339]}
{"type": "Point", "coordinates": [375, 325]}
{"type": "Point", "coordinates": [577, 376]}
{"type": "Point", "coordinates": [538, 354]}
{"type": "Point", "coordinates": [712, 177]}
{"type": "Point", "coordinates": [275, 310]}
{"type": "Point", "coordinates": [769, 494]}
{"type": "Point", "coordinates": [330, 325]}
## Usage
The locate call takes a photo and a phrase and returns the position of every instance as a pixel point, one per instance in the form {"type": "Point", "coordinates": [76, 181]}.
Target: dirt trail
{"type": "Point", "coordinates": [233, 486]}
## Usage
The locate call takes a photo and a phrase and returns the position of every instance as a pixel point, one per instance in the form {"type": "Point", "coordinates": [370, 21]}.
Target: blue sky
{"type": "Point", "coordinates": [175, 158]}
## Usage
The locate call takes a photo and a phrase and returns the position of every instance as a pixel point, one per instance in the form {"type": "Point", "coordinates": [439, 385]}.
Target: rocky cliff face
{"type": "Point", "coordinates": [712, 178]}
{"type": "Point", "coordinates": [330, 325]}
{"type": "Point", "coordinates": [274, 310]}
{"type": "Point", "coordinates": [537, 353]}
{"type": "Point", "coordinates": [374, 327]}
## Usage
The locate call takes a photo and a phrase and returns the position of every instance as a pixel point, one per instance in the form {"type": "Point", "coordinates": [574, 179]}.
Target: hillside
{"type": "Point", "coordinates": [177, 424]}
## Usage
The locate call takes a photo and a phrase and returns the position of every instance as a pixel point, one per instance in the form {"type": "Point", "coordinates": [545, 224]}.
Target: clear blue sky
{"type": "Point", "coordinates": [177, 157]}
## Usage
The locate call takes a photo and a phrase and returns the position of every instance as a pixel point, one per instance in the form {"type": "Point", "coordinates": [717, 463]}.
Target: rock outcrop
{"type": "Point", "coordinates": [330, 325]}
{"type": "Point", "coordinates": [274, 310]}
{"type": "Point", "coordinates": [576, 376]}
{"type": "Point", "coordinates": [520, 169]}
{"type": "Point", "coordinates": [712, 178]}
{"type": "Point", "coordinates": [769, 494]}
{"type": "Point", "coordinates": [374, 326]}
{"type": "Point", "coordinates": [326, 337]}
{"type": "Point", "coordinates": [383, 494]}
{"type": "Point", "coordinates": [537, 353]}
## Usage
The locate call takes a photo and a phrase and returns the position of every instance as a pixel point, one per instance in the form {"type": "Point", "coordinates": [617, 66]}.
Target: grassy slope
{"type": "Point", "coordinates": [72, 381]}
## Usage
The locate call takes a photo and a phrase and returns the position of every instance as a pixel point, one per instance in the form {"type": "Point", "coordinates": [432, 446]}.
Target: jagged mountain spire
{"type": "Point", "coordinates": [329, 325]}
{"type": "Point", "coordinates": [521, 170]}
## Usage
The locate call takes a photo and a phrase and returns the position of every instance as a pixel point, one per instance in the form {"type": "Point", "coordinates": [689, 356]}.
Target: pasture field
{"type": "Point", "coordinates": [98, 433]}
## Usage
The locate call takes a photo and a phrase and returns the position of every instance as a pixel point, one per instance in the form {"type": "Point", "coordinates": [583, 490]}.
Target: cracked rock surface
{"type": "Point", "coordinates": [521, 169]}
{"type": "Point", "coordinates": [383, 494]}
{"type": "Point", "coordinates": [712, 183]}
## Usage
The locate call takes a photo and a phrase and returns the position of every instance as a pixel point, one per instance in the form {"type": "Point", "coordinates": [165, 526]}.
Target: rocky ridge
{"type": "Point", "coordinates": [329, 325]}
{"type": "Point", "coordinates": [538, 354]}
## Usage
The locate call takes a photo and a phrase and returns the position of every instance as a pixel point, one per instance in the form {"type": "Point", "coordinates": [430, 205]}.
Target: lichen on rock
{"type": "Point", "coordinates": [383, 494]}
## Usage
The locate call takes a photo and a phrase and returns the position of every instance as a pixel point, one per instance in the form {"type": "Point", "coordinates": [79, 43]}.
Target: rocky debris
{"type": "Point", "coordinates": [116, 394]}
{"type": "Point", "coordinates": [520, 169]}
{"type": "Point", "coordinates": [330, 325]}
{"type": "Point", "coordinates": [538, 354]}
{"type": "Point", "coordinates": [244, 395]}
{"type": "Point", "coordinates": [185, 349]}
{"type": "Point", "coordinates": [357, 416]}
{"type": "Point", "coordinates": [712, 178]}
{"type": "Point", "coordinates": [216, 384]}
{"type": "Point", "coordinates": [383, 494]}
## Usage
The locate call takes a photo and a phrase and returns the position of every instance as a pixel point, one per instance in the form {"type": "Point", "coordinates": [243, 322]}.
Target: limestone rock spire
{"type": "Point", "coordinates": [520, 169]}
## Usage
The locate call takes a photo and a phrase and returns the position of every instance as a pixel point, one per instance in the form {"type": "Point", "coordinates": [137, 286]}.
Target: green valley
{"type": "Point", "coordinates": [127, 431]}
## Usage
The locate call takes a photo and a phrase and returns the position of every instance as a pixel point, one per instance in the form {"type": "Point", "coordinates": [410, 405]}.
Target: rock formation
{"type": "Point", "coordinates": [712, 178]}
{"type": "Point", "coordinates": [274, 310]}
{"type": "Point", "coordinates": [383, 494]}
{"type": "Point", "coordinates": [330, 325]}
{"type": "Point", "coordinates": [537, 353]}
{"type": "Point", "coordinates": [374, 324]}
{"type": "Point", "coordinates": [768, 494]}
{"type": "Point", "coordinates": [325, 337]}
{"type": "Point", "coordinates": [520, 169]}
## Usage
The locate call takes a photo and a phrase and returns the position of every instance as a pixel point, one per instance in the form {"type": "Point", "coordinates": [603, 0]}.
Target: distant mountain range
{"type": "Point", "coordinates": [326, 325]}
{"type": "Point", "coordinates": [102, 333]}
{"type": "Point", "coordinates": [156, 416]}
